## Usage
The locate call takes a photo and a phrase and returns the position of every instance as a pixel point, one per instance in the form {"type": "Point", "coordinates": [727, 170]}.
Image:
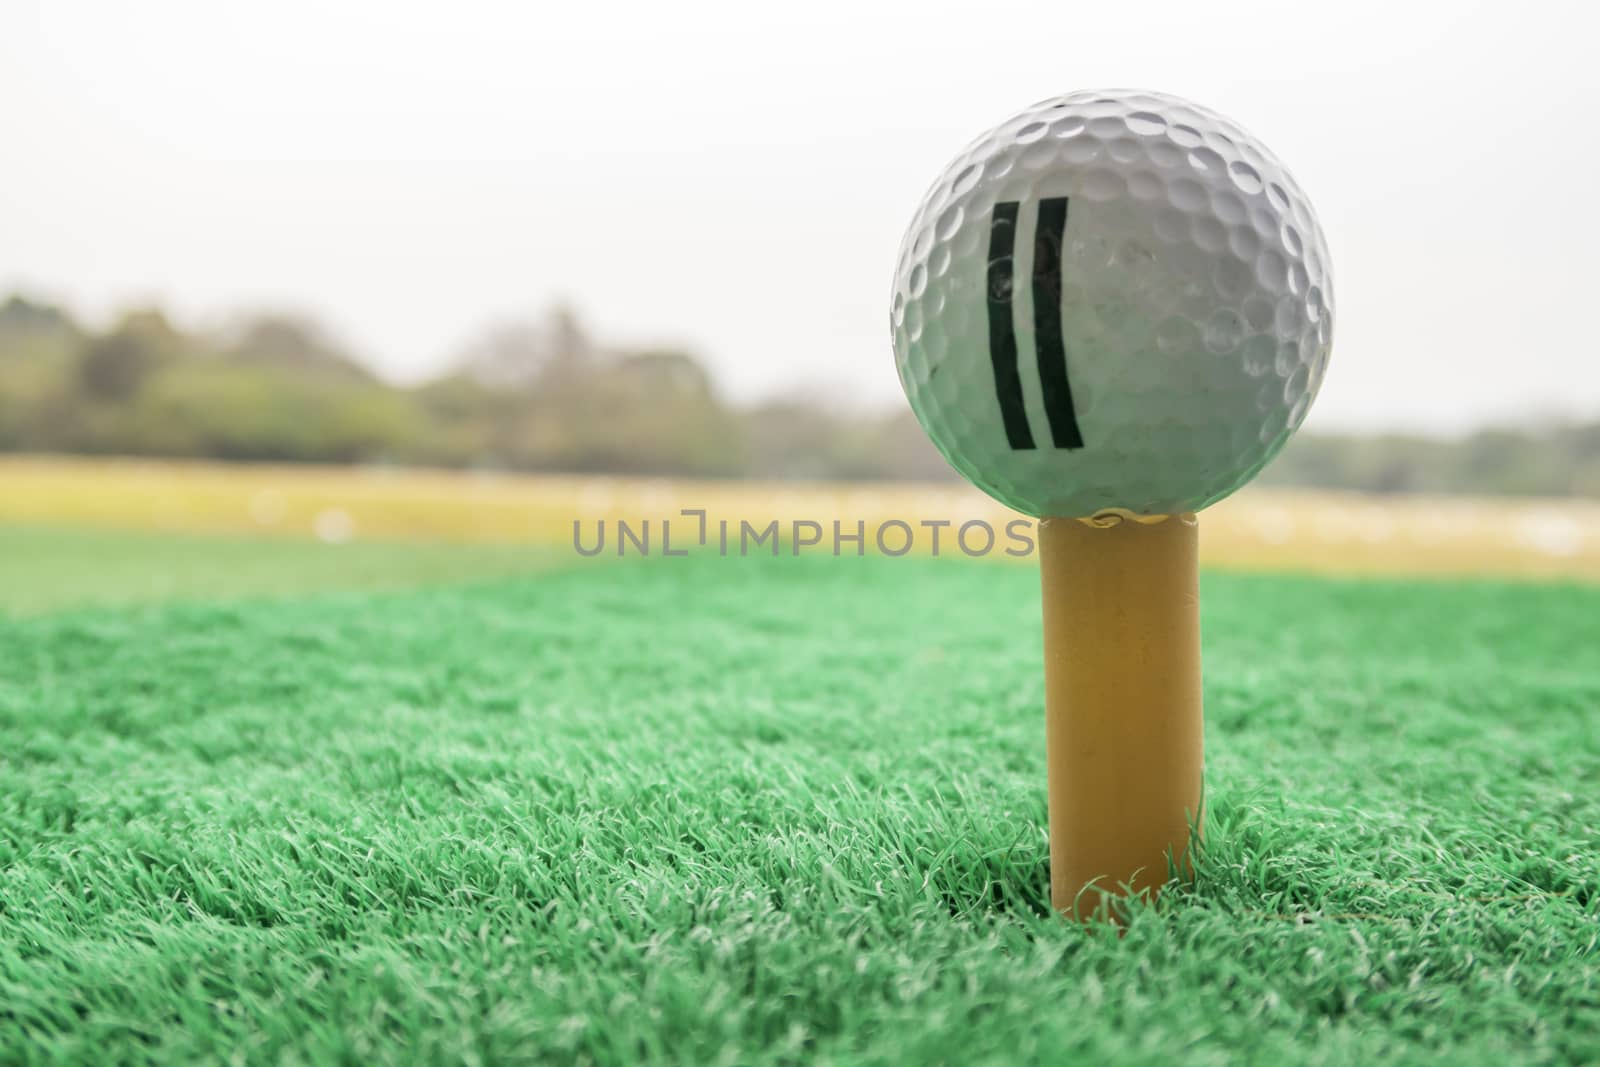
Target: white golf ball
{"type": "Point", "coordinates": [1114, 300]}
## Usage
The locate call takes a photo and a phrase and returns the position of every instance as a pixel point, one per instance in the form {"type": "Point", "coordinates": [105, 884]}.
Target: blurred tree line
{"type": "Point", "coordinates": [1555, 459]}
{"type": "Point", "coordinates": [534, 396]}
{"type": "Point", "coordinates": [544, 396]}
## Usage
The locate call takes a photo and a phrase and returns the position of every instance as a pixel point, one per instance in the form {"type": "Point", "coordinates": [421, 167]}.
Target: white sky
{"type": "Point", "coordinates": [737, 180]}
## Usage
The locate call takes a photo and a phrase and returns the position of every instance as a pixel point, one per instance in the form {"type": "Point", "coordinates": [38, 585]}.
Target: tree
{"type": "Point", "coordinates": [293, 343]}
{"type": "Point", "coordinates": [115, 365]}
{"type": "Point", "coordinates": [22, 318]}
{"type": "Point", "coordinates": [526, 355]}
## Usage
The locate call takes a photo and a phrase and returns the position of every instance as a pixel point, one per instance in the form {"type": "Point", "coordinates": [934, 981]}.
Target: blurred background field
{"type": "Point", "coordinates": [45, 569]}
{"type": "Point", "coordinates": [265, 426]}
{"type": "Point", "coordinates": [421, 518]}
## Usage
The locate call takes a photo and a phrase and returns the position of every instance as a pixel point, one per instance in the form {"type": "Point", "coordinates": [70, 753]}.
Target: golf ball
{"type": "Point", "coordinates": [1114, 300]}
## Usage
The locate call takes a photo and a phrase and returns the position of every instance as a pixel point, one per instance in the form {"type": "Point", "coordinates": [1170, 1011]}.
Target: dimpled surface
{"type": "Point", "coordinates": [1196, 305]}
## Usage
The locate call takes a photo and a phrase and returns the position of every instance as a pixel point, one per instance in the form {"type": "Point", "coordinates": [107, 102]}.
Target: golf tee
{"type": "Point", "coordinates": [1122, 703]}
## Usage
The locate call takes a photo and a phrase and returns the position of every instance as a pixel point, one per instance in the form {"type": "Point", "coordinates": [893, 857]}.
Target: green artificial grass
{"type": "Point", "coordinates": [750, 811]}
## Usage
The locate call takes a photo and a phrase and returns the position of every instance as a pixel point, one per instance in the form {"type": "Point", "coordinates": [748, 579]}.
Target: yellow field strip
{"type": "Point", "coordinates": [1258, 528]}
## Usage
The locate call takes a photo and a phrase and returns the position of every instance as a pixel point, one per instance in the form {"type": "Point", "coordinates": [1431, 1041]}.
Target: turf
{"type": "Point", "coordinates": [718, 811]}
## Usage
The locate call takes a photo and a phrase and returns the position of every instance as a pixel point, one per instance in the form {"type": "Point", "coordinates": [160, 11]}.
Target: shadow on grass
{"type": "Point", "coordinates": [974, 886]}
{"type": "Point", "coordinates": [1016, 884]}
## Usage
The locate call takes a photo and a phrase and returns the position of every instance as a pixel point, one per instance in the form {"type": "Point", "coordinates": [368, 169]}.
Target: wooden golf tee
{"type": "Point", "coordinates": [1122, 703]}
